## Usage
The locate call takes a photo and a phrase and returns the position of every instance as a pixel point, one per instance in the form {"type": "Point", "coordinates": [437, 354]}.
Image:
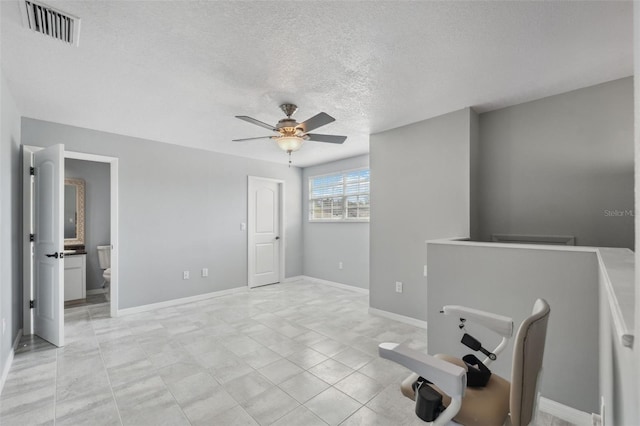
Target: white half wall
{"type": "Point", "coordinates": [507, 279]}
{"type": "Point", "coordinates": [617, 340]}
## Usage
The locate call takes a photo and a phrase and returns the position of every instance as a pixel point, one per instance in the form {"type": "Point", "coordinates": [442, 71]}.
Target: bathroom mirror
{"type": "Point", "coordinates": [73, 212]}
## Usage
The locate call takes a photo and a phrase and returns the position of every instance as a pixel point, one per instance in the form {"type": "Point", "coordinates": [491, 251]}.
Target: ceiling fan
{"type": "Point", "coordinates": [291, 134]}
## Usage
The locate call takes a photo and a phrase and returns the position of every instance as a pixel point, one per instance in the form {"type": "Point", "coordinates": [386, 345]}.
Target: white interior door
{"type": "Point", "coordinates": [264, 231]}
{"type": "Point", "coordinates": [48, 315]}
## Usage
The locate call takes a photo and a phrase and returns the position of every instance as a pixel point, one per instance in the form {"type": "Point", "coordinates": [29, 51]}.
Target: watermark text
{"type": "Point", "coordinates": [618, 213]}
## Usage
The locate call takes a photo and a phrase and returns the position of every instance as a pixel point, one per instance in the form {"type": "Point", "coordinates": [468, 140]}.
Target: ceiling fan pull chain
{"type": "Point", "coordinates": [289, 159]}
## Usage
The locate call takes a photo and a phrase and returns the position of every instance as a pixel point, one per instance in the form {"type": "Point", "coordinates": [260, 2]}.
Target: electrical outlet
{"type": "Point", "coordinates": [398, 287]}
{"type": "Point", "coordinates": [205, 272]}
{"type": "Point", "coordinates": [243, 226]}
{"type": "Point", "coordinates": [185, 275]}
{"type": "Point", "coordinates": [425, 270]}
{"type": "Point", "coordinates": [339, 265]}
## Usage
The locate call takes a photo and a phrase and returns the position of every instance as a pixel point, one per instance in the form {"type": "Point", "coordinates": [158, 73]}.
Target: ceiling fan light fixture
{"type": "Point", "coordinates": [291, 134]}
{"type": "Point", "coordinates": [289, 144]}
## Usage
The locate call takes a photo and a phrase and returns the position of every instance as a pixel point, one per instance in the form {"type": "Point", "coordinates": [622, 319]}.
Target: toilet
{"type": "Point", "coordinates": [104, 259]}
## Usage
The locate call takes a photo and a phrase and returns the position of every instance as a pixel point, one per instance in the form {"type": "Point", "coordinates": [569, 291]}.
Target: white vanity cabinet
{"type": "Point", "coordinates": [75, 276]}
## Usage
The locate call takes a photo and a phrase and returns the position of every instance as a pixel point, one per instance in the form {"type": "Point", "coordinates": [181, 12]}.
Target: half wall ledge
{"type": "Point", "coordinates": [617, 278]}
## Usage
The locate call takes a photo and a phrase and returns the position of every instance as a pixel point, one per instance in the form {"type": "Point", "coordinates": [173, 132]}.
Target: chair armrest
{"type": "Point", "coordinates": [497, 323]}
{"type": "Point", "coordinates": [450, 378]}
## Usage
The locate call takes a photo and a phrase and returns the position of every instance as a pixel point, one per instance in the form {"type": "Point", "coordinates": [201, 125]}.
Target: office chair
{"type": "Point", "coordinates": [499, 401]}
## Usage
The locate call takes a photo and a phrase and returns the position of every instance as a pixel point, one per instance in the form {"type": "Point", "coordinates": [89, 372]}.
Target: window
{"type": "Point", "coordinates": [339, 197]}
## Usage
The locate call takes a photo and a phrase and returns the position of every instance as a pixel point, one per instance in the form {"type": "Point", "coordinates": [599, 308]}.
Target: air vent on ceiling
{"type": "Point", "coordinates": [51, 22]}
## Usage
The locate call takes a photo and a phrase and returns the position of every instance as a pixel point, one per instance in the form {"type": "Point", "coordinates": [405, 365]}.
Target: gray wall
{"type": "Point", "coordinates": [326, 244]}
{"type": "Point", "coordinates": [474, 176]}
{"type": "Point", "coordinates": [636, 71]}
{"type": "Point", "coordinates": [555, 166]}
{"type": "Point", "coordinates": [10, 223]}
{"type": "Point", "coordinates": [419, 191]}
{"type": "Point", "coordinates": [97, 214]}
{"type": "Point", "coordinates": [507, 281]}
{"type": "Point", "coordinates": [179, 209]}
{"type": "Point", "coordinates": [630, 369]}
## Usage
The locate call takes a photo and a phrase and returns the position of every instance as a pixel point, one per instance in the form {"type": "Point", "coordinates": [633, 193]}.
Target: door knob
{"type": "Point", "coordinates": [277, 238]}
{"type": "Point", "coordinates": [56, 255]}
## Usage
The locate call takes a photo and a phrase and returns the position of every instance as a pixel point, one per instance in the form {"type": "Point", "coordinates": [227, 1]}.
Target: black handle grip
{"type": "Point", "coordinates": [55, 255]}
{"type": "Point", "coordinates": [474, 344]}
{"type": "Point", "coordinates": [471, 342]}
{"type": "Point", "coordinates": [277, 238]}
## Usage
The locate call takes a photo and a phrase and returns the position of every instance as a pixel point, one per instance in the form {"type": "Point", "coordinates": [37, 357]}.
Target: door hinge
{"type": "Point", "coordinates": [32, 304]}
{"type": "Point", "coordinates": [32, 171]}
{"type": "Point", "coordinates": [32, 237]}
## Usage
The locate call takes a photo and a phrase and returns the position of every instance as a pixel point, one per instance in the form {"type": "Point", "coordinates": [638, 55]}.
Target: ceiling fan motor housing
{"type": "Point", "coordinates": [289, 127]}
{"type": "Point", "coordinates": [287, 122]}
{"type": "Point", "coordinates": [289, 109]}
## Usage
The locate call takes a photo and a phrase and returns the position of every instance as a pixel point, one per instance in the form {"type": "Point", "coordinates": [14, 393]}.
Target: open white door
{"type": "Point", "coordinates": [264, 231]}
{"type": "Point", "coordinates": [48, 315]}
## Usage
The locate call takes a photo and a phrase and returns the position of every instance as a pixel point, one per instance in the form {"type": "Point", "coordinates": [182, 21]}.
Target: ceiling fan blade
{"type": "Point", "coordinates": [256, 122]}
{"type": "Point", "coordinates": [316, 137]}
{"type": "Point", "coordinates": [316, 121]}
{"type": "Point", "coordinates": [251, 139]}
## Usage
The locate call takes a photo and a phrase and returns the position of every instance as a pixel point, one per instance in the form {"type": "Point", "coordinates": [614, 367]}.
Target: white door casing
{"type": "Point", "coordinates": [28, 226]}
{"type": "Point", "coordinates": [49, 245]}
{"type": "Point", "coordinates": [265, 237]}
{"type": "Point", "coordinates": [115, 246]}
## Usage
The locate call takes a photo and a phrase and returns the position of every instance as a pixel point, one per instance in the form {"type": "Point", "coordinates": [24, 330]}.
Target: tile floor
{"type": "Point", "coordinates": [287, 354]}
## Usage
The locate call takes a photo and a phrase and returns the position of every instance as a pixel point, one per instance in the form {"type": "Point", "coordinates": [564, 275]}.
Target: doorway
{"type": "Point", "coordinates": [29, 215]}
{"type": "Point", "coordinates": [266, 237]}
{"type": "Point", "coordinates": [86, 228]}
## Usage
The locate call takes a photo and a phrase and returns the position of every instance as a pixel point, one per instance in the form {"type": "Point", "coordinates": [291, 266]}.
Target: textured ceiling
{"type": "Point", "coordinates": [178, 72]}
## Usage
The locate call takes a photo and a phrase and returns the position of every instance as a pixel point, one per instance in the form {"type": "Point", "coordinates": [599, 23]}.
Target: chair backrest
{"type": "Point", "coordinates": [528, 352]}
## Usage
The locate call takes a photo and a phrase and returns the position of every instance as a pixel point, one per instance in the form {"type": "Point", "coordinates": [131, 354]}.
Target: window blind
{"type": "Point", "coordinates": [340, 197]}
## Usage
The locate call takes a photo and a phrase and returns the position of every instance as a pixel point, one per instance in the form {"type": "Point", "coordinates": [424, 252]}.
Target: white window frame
{"type": "Point", "coordinates": [344, 196]}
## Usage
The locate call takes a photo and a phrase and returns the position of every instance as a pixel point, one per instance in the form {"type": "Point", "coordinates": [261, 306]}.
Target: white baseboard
{"type": "Point", "coordinates": [183, 300]}
{"type": "Point", "coordinates": [293, 279]}
{"type": "Point", "coordinates": [96, 291]}
{"type": "Point", "coordinates": [398, 317]}
{"type": "Point", "coordinates": [564, 412]}
{"type": "Point", "coordinates": [7, 364]}
{"type": "Point", "coordinates": [334, 284]}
